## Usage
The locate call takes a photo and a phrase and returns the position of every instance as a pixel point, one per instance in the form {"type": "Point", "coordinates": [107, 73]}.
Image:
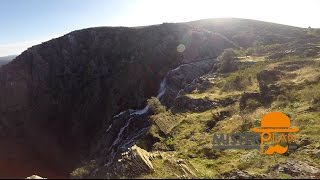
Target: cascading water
{"type": "Point", "coordinates": [120, 142]}
{"type": "Point", "coordinates": [133, 114]}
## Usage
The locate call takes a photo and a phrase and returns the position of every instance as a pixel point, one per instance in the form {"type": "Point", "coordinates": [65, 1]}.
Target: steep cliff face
{"type": "Point", "coordinates": [59, 95]}
{"type": "Point", "coordinates": [59, 99]}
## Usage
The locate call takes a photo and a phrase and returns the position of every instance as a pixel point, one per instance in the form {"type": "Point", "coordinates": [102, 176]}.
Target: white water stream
{"type": "Point", "coordinates": [133, 114]}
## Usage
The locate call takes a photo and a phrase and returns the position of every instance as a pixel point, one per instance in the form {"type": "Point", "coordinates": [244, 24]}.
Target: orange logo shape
{"type": "Point", "coordinates": [274, 122]}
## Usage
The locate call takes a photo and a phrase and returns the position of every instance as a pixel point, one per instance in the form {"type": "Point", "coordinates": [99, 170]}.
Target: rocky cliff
{"type": "Point", "coordinates": [57, 96]}
{"type": "Point", "coordinates": [59, 100]}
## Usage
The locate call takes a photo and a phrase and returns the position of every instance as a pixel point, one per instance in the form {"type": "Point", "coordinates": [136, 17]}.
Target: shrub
{"type": "Point", "coordinates": [156, 105]}
{"type": "Point", "coordinates": [250, 51]}
{"type": "Point", "coordinates": [228, 61]}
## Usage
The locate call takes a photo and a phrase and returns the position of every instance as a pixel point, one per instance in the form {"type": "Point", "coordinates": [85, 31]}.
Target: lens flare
{"type": "Point", "coordinates": [181, 48]}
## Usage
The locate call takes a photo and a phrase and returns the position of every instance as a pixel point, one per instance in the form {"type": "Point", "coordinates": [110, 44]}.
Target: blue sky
{"type": "Point", "coordinates": [32, 19]}
{"type": "Point", "coordinates": [24, 23]}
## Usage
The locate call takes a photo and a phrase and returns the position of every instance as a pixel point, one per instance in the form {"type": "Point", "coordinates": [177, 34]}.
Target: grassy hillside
{"type": "Point", "coordinates": [246, 33]}
{"type": "Point", "coordinates": [294, 85]}
{"type": "Point", "coordinates": [271, 67]}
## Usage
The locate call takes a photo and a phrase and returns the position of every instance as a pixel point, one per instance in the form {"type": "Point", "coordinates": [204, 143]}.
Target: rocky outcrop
{"type": "Point", "coordinates": [296, 169]}
{"type": "Point", "coordinates": [238, 174]}
{"type": "Point", "coordinates": [184, 75]}
{"type": "Point", "coordinates": [184, 169]}
{"type": "Point", "coordinates": [134, 162]}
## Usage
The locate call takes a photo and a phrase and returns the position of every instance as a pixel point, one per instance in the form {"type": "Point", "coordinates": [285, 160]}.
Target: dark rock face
{"type": "Point", "coordinates": [183, 76]}
{"type": "Point", "coordinates": [60, 95]}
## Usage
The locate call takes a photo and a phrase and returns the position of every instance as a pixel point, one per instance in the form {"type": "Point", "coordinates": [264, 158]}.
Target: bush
{"type": "Point", "coordinates": [228, 61]}
{"type": "Point", "coordinates": [250, 51]}
{"type": "Point", "coordinates": [156, 105]}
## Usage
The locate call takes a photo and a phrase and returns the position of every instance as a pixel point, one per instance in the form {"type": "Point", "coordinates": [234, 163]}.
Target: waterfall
{"type": "Point", "coordinates": [162, 88]}
{"type": "Point", "coordinates": [133, 114]}
{"type": "Point", "coordinates": [141, 111]}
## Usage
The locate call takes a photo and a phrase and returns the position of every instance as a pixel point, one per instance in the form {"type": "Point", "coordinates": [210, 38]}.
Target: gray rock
{"type": "Point", "coordinates": [297, 169]}
{"type": "Point", "coordinates": [238, 174]}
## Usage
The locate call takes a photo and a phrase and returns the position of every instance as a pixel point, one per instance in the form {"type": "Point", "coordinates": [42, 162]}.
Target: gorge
{"type": "Point", "coordinates": [84, 95]}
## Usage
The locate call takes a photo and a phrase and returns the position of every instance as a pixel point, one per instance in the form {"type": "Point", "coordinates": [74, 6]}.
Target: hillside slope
{"type": "Point", "coordinates": [83, 96]}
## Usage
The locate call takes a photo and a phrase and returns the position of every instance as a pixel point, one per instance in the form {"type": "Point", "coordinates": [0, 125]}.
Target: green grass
{"type": "Point", "coordinates": [191, 141]}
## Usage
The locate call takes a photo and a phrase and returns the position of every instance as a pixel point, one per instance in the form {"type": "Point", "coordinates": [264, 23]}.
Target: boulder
{"type": "Point", "coordinates": [134, 162]}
